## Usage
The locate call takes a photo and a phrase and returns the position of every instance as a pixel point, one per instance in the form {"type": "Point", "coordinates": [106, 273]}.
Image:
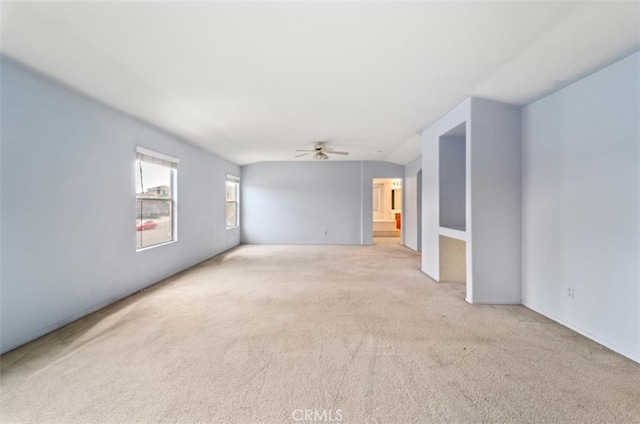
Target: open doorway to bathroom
{"type": "Point", "coordinates": [387, 210]}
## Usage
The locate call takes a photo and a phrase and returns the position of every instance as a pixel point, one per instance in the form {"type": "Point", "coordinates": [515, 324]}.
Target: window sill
{"type": "Point", "coordinates": [155, 245]}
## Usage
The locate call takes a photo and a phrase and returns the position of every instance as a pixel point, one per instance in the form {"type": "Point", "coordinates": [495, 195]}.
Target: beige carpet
{"type": "Point", "coordinates": [353, 334]}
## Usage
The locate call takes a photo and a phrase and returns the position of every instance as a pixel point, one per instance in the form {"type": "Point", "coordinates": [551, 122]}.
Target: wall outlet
{"type": "Point", "coordinates": [570, 292]}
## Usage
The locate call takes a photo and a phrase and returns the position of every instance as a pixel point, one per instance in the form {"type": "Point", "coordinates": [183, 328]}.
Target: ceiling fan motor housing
{"type": "Point", "coordinates": [320, 150]}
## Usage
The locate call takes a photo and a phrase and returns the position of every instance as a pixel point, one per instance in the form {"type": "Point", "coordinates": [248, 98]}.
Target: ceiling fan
{"type": "Point", "coordinates": [320, 151]}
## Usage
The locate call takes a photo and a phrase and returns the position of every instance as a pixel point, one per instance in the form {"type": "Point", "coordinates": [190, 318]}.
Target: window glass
{"type": "Point", "coordinates": [232, 211]}
{"type": "Point", "coordinates": [155, 204]}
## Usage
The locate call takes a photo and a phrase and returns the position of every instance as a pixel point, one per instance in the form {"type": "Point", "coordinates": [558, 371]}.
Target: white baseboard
{"type": "Point", "coordinates": [588, 335]}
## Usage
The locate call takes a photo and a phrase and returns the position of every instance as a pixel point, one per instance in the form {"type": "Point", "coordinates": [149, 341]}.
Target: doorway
{"type": "Point", "coordinates": [387, 210]}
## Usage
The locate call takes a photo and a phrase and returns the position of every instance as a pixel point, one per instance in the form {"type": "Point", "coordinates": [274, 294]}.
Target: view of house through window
{"type": "Point", "coordinates": [233, 188]}
{"type": "Point", "coordinates": [155, 198]}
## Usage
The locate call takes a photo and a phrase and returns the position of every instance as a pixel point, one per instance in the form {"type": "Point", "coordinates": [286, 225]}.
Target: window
{"type": "Point", "coordinates": [155, 198]}
{"type": "Point", "coordinates": [233, 200]}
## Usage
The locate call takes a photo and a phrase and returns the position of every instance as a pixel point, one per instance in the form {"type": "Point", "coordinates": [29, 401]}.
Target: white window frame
{"type": "Point", "coordinates": [150, 156]}
{"type": "Point", "coordinates": [236, 180]}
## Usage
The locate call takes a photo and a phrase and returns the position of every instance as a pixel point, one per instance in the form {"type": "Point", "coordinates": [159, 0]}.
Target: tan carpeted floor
{"type": "Point", "coordinates": [355, 334]}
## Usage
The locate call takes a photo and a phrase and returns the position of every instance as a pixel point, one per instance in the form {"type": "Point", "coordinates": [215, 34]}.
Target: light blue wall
{"type": "Point", "coordinates": [494, 209]}
{"type": "Point", "coordinates": [296, 202]}
{"type": "Point", "coordinates": [581, 206]}
{"type": "Point", "coordinates": [68, 209]}
{"type": "Point", "coordinates": [452, 176]}
{"type": "Point", "coordinates": [431, 186]}
{"type": "Point", "coordinates": [492, 198]}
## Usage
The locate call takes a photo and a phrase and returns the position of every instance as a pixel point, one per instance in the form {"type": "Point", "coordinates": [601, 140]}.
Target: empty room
{"type": "Point", "coordinates": [345, 211]}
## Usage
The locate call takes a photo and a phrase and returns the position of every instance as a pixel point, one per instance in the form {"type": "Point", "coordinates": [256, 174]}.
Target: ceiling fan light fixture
{"type": "Point", "coordinates": [320, 156]}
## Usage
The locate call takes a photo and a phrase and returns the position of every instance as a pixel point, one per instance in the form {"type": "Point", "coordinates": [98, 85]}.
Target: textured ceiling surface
{"type": "Point", "coordinates": [253, 82]}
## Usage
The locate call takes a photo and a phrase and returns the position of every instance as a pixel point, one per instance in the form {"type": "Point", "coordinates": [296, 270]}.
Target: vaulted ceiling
{"type": "Point", "coordinates": [253, 82]}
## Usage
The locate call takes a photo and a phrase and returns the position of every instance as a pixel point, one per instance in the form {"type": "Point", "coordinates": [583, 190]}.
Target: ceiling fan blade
{"type": "Point", "coordinates": [334, 152]}
{"type": "Point", "coordinates": [304, 154]}
{"type": "Point", "coordinates": [299, 150]}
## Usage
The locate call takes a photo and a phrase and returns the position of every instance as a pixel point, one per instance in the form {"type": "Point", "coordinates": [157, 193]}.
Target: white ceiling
{"type": "Point", "coordinates": [254, 81]}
